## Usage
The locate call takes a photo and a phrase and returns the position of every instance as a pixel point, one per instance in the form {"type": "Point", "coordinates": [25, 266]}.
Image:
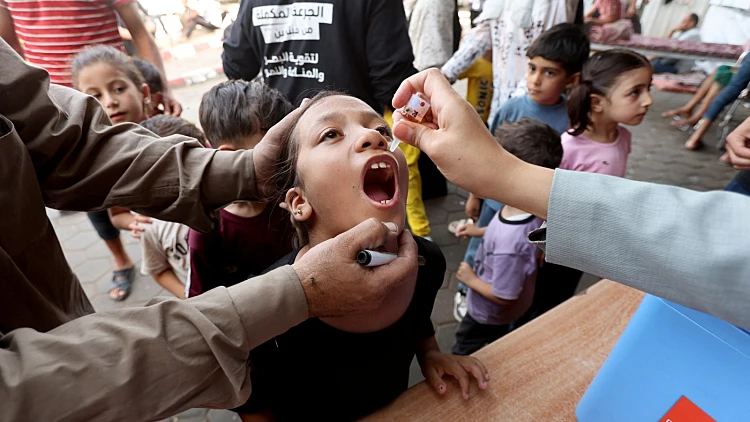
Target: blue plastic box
{"type": "Point", "coordinates": [668, 351]}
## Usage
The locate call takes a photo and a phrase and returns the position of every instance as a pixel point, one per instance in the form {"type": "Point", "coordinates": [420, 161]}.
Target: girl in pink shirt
{"type": "Point", "coordinates": [614, 90]}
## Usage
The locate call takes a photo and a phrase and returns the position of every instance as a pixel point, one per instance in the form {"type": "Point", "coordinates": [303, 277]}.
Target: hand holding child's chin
{"type": "Point", "coordinates": [462, 368]}
{"type": "Point", "coordinates": [335, 284]}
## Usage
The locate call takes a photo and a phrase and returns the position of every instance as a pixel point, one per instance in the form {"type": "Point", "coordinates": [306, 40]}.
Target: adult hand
{"type": "Point", "coordinates": [266, 153]}
{"type": "Point", "coordinates": [170, 104]}
{"type": "Point", "coordinates": [738, 146]}
{"type": "Point", "coordinates": [335, 284]}
{"type": "Point", "coordinates": [452, 133]}
{"type": "Point", "coordinates": [462, 148]}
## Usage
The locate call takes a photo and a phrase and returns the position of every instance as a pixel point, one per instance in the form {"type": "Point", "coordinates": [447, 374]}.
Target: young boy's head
{"type": "Point", "coordinates": [531, 141]}
{"type": "Point", "coordinates": [236, 114]}
{"type": "Point", "coordinates": [555, 62]}
{"type": "Point", "coordinates": [164, 125]}
{"type": "Point", "coordinates": [152, 76]}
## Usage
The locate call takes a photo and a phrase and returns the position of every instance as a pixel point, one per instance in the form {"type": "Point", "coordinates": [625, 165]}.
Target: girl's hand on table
{"type": "Point", "coordinates": [436, 364]}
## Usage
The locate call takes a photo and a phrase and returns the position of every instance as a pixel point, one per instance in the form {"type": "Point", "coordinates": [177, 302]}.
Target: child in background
{"type": "Point", "coordinates": [603, 12]}
{"type": "Point", "coordinates": [502, 281]}
{"type": "Point", "coordinates": [614, 90]}
{"type": "Point", "coordinates": [153, 79]}
{"type": "Point", "coordinates": [250, 235]}
{"type": "Point", "coordinates": [335, 171]}
{"type": "Point", "coordinates": [555, 61]}
{"type": "Point", "coordinates": [164, 244]}
{"type": "Point", "coordinates": [110, 76]}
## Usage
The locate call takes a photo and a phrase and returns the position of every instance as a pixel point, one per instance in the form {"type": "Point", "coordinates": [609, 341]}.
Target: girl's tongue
{"type": "Point", "coordinates": [379, 184]}
{"type": "Point", "coordinates": [376, 193]}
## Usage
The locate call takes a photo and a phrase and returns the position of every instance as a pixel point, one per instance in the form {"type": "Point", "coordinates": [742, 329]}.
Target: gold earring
{"type": "Point", "coordinates": [299, 211]}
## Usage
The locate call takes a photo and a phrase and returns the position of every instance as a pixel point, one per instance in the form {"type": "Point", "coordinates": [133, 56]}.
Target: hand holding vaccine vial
{"type": "Point", "coordinates": [415, 110]}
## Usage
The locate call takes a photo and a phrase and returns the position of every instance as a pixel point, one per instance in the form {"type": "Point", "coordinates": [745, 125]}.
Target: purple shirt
{"type": "Point", "coordinates": [583, 154]}
{"type": "Point", "coordinates": [505, 259]}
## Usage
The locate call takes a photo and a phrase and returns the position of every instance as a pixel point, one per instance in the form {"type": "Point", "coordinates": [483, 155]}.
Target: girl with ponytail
{"type": "Point", "coordinates": [614, 91]}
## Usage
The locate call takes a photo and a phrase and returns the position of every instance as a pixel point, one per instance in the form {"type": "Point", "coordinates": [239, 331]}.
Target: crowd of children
{"type": "Point", "coordinates": [605, 91]}
{"type": "Point", "coordinates": [571, 117]}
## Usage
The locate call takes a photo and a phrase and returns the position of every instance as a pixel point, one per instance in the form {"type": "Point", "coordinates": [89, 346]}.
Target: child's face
{"type": "Point", "coordinates": [630, 97]}
{"type": "Point", "coordinates": [346, 169]}
{"type": "Point", "coordinates": [546, 81]}
{"type": "Point", "coordinates": [121, 99]}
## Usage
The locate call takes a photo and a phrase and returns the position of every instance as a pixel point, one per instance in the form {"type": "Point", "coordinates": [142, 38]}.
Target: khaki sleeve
{"type": "Point", "coordinates": [84, 163]}
{"type": "Point", "coordinates": [147, 363]}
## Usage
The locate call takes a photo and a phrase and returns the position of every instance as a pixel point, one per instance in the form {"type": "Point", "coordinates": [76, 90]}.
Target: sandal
{"type": "Point", "coordinates": [123, 281]}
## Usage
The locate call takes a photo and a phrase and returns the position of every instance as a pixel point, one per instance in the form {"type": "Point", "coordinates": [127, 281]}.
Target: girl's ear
{"type": "Point", "coordinates": [146, 93]}
{"type": "Point", "coordinates": [298, 205]}
{"type": "Point", "coordinates": [597, 103]}
{"type": "Point", "coordinates": [147, 106]}
{"type": "Point", "coordinates": [573, 80]}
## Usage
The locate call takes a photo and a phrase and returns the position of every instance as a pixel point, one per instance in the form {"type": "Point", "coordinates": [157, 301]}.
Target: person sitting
{"type": "Point", "coordinates": [603, 12]}
{"type": "Point", "coordinates": [686, 30]}
{"type": "Point", "coordinates": [737, 83]}
{"type": "Point", "coordinates": [206, 13]}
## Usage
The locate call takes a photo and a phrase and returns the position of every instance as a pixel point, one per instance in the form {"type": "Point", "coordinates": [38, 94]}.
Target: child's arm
{"type": "Point", "coordinates": [125, 220]}
{"type": "Point", "coordinates": [473, 45]}
{"type": "Point", "coordinates": [435, 365]}
{"type": "Point", "coordinates": [473, 207]}
{"type": "Point", "coordinates": [467, 276]}
{"type": "Point", "coordinates": [8, 31]}
{"type": "Point", "coordinates": [169, 281]}
{"type": "Point", "coordinates": [470, 230]}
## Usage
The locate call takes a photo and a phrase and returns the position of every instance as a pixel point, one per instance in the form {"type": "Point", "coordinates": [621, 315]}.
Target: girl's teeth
{"type": "Point", "coordinates": [385, 201]}
{"type": "Point", "coordinates": [380, 165]}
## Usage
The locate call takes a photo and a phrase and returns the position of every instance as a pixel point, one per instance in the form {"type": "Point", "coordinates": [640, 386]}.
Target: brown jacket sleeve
{"type": "Point", "coordinates": [148, 363]}
{"type": "Point", "coordinates": [84, 163]}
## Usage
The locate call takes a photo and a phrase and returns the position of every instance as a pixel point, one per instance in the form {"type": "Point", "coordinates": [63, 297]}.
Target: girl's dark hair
{"type": "Point", "coordinates": [109, 55]}
{"type": "Point", "coordinates": [164, 125]}
{"type": "Point", "coordinates": [235, 110]}
{"type": "Point", "coordinates": [150, 73]}
{"type": "Point", "coordinates": [599, 75]}
{"type": "Point", "coordinates": [287, 176]}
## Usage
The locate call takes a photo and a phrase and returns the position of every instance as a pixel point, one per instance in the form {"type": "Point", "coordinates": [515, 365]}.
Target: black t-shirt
{"type": "Point", "coordinates": [317, 372]}
{"type": "Point", "coordinates": [361, 47]}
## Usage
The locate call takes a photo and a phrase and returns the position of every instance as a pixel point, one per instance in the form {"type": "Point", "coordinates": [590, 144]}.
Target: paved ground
{"type": "Point", "coordinates": [657, 156]}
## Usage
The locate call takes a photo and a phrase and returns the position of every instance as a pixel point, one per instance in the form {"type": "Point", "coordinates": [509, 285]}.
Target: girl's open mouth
{"type": "Point", "coordinates": [379, 180]}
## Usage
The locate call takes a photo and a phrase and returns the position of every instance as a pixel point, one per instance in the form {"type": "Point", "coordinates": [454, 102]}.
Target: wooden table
{"type": "Point", "coordinates": [538, 372]}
